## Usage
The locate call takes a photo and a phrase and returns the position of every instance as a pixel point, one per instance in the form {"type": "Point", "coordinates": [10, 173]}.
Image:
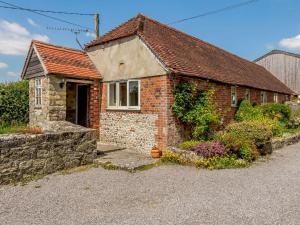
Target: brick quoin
{"type": "Point", "coordinates": [94, 105]}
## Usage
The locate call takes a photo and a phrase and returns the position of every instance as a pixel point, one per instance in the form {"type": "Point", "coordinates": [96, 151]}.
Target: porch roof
{"type": "Point", "coordinates": [65, 61]}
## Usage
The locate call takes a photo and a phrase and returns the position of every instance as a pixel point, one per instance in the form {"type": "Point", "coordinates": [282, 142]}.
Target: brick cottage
{"type": "Point", "coordinates": [123, 83]}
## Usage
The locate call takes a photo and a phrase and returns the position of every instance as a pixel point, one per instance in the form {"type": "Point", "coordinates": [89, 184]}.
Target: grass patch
{"type": "Point", "coordinates": [20, 129]}
{"type": "Point", "coordinates": [78, 169]}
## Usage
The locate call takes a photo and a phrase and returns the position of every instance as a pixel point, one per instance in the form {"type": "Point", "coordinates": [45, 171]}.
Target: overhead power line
{"type": "Point", "coordinates": [48, 11]}
{"type": "Point", "coordinates": [42, 14]}
{"type": "Point", "coordinates": [230, 7]}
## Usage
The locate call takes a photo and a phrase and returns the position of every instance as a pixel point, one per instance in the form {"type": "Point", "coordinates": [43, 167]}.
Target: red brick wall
{"type": "Point", "coordinates": [94, 105]}
{"type": "Point", "coordinates": [222, 100]}
{"type": "Point", "coordinates": [154, 100]}
{"type": "Point", "coordinates": [157, 98]}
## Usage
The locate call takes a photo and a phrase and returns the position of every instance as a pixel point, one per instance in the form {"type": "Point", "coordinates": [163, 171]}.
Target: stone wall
{"type": "Point", "coordinates": [62, 146]}
{"type": "Point", "coordinates": [131, 130]}
{"type": "Point", "coordinates": [38, 113]}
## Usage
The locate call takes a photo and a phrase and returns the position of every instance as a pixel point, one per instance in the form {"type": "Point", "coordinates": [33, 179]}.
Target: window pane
{"type": "Point", "coordinates": [112, 94]}
{"type": "Point", "coordinates": [133, 93]}
{"type": "Point", "coordinates": [123, 94]}
{"type": "Point", "coordinates": [233, 96]}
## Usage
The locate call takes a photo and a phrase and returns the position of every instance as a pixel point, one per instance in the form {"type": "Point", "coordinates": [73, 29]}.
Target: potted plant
{"type": "Point", "coordinates": [156, 152]}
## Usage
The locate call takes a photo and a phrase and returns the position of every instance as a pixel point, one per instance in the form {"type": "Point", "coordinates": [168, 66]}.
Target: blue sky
{"type": "Point", "coordinates": [249, 31]}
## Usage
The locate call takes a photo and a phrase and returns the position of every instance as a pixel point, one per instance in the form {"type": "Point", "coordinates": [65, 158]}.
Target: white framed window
{"type": "Point", "coordinates": [247, 94]}
{"type": "Point", "coordinates": [38, 92]}
{"type": "Point", "coordinates": [124, 95]}
{"type": "Point", "coordinates": [233, 96]}
{"type": "Point", "coordinates": [263, 97]}
{"type": "Point", "coordinates": [275, 97]}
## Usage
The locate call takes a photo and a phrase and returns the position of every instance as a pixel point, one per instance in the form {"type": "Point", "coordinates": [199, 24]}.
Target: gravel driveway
{"type": "Point", "coordinates": [266, 193]}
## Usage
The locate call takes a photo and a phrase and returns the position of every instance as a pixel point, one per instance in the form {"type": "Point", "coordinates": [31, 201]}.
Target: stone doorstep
{"type": "Point", "coordinates": [125, 159]}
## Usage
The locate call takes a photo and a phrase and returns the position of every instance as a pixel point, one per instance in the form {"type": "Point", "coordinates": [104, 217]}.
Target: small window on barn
{"type": "Point", "coordinates": [263, 97]}
{"type": "Point", "coordinates": [233, 96]}
{"type": "Point", "coordinates": [124, 95]}
{"type": "Point", "coordinates": [38, 92]}
{"type": "Point", "coordinates": [112, 94]}
{"type": "Point", "coordinates": [247, 94]}
{"type": "Point", "coordinates": [134, 93]}
{"type": "Point", "coordinates": [275, 98]}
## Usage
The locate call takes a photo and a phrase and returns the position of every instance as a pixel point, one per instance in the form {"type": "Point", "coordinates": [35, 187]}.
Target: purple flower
{"type": "Point", "coordinates": [210, 149]}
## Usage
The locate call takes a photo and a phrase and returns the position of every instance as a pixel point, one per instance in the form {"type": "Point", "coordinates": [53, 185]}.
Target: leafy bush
{"type": "Point", "coordinates": [209, 149]}
{"type": "Point", "coordinates": [216, 162]}
{"type": "Point", "coordinates": [171, 157]}
{"type": "Point", "coordinates": [276, 111]}
{"type": "Point", "coordinates": [221, 162]}
{"type": "Point", "coordinates": [274, 115]}
{"type": "Point", "coordinates": [20, 130]}
{"type": "Point", "coordinates": [14, 103]}
{"type": "Point", "coordinates": [247, 112]}
{"type": "Point", "coordinates": [249, 130]}
{"type": "Point", "coordinates": [196, 109]}
{"type": "Point", "coordinates": [187, 145]}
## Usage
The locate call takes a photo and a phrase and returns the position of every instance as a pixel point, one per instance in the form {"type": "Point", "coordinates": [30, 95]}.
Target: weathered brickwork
{"type": "Point", "coordinates": [222, 98]}
{"type": "Point", "coordinates": [138, 129]}
{"type": "Point", "coordinates": [23, 155]}
{"type": "Point", "coordinates": [94, 105]}
{"type": "Point", "coordinates": [157, 97]}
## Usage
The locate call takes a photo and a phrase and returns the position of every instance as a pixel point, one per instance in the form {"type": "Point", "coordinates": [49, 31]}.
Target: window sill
{"type": "Point", "coordinates": [37, 107]}
{"type": "Point", "coordinates": [123, 109]}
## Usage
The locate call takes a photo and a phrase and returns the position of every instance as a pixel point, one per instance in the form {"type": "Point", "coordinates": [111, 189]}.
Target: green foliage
{"type": "Point", "coordinates": [196, 109]}
{"type": "Point", "coordinates": [276, 111]}
{"type": "Point", "coordinates": [249, 130]}
{"type": "Point", "coordinates": [217, 162]}
{"type": "Point", "coordinates": [247, 112]}
{"type": "Point", "coordinates": [273, 115]}
{"type": "Point", "coordinates": [187, 145]}
{"type": "Point", "coordinates": [14, 103]}
{"type": "Point", "coordinates": [171, 157]}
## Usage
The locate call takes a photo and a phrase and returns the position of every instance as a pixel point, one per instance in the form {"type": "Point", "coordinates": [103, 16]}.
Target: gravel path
{"type": "Point", "coordinates": [266, 193]}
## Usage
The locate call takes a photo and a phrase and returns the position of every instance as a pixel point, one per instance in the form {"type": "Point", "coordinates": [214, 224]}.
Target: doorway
{"type": "Point", "coordinates": [82, 105]}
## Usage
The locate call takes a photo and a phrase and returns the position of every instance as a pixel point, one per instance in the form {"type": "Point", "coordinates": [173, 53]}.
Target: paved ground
{"type": "Point", "coordinates": [127, 159]}
{"type": "Point", "coordinates": [267, 193]}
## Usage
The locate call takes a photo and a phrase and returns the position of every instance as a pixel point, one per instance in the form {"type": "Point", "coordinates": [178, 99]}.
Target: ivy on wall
{"type": "Point", "coordinates": [14, 103]}
{"type": "Point", "coordinates": [196, 109]}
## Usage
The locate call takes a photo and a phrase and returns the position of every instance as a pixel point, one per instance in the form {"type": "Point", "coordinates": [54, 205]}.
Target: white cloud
{"type": "Point", "coordinates": [291, 43]}
{"type": "Point", "coordinates": [90, 34]}
{"type": "Point", "coordinates": [31, 22]}
{"type": "Point", "coordinates": [3, 65]}
{"type": "Point", "coordinates": [15, 39]}
{"type": "Point", "coordinates": [12, 74]}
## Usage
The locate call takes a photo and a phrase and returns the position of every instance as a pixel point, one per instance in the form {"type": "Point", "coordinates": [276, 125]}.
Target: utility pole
{"type": "Point", "coordinates": [97, 25]}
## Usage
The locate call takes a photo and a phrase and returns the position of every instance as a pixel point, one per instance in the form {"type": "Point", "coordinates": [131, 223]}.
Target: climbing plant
{"type": "Point", "coordinates": [196, 109]}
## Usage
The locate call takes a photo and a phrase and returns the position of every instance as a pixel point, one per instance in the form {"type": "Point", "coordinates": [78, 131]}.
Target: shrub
{"type": "Point", "coordinates": [171, 157]}
{"type": "Point", "coordinates": [209, 149]}
{"type": "Point", "coordinates": [14, 103]}
{"type": "Point", "coordinates": [274, 115]}
{"type": "Point", "coordinates": [249, 130]}
{"type": "Point", "coordinates": [187, 145]}
{"type": "Point", "coordinates": [221, 162]}
{"type": "Point", "coordinates": [276, 111]}
{"type": "Point", "coordinates": [196, 109]}
{"type": "Point", "coordinates": [241, 147]}
{"type": "Point", "coordinates": [247, 112]}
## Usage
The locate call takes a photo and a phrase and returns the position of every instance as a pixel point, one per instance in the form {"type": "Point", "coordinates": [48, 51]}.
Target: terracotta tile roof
{"type": "Point", "coordinates": [187, 55]}
{"type": "Point", "coordinates": [66, 61]}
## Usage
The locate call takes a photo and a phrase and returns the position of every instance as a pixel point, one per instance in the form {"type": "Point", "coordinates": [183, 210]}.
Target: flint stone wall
{"type": "Point", "coordinates": [130, 130]}
{"type": "Point", "coordinates": [22, 155]}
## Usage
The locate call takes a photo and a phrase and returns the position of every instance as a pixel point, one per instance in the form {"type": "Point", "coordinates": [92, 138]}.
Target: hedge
{"type": "Point", "coordinates": [14, 103]}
